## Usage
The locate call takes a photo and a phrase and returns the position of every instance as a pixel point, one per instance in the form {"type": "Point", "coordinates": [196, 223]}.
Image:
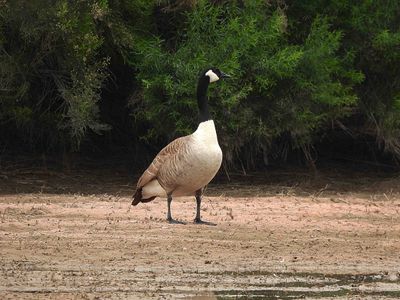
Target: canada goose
{"type": "Point", "coordinates": [186, 165]}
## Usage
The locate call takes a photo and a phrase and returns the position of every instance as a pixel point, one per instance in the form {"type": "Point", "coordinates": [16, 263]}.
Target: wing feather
{"type": "Point", "coordinates": [170, 151]}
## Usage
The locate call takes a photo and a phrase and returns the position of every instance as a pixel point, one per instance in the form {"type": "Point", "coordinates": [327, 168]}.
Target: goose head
{"type": "Point", "coordinates": [214, 74]}
{"type": "Point", "coordinates": [208, 76]}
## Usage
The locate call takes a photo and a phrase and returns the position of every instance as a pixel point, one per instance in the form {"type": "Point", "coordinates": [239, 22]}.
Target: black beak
{"type": "Point", "coordinates": [223, 75]}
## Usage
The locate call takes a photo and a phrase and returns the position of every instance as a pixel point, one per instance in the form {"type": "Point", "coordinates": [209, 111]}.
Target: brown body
{"type": "Point", "coordinates": [183, 167]}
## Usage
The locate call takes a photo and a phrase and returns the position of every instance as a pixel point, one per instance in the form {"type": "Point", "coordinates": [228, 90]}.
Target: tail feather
{"type": "Point", "coordinates": [137, 197]}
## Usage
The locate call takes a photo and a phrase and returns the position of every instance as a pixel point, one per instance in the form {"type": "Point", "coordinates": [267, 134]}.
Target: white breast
{"type": "Point", "coordinates": [206, 133]}
{"type": "Point", "coordinates": [201, 163]}
{"type": "Point", "coordinates": [206, 149]}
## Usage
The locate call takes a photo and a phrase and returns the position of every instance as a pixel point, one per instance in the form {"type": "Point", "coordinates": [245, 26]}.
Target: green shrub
{"type": "Point", "coordinates": [279, 88]}
{"type": "Point", "coordinates": [299, 69]}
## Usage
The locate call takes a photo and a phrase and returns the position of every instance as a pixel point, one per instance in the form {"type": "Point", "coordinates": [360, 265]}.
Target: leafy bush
{"type": "Point", "coordinates": [371, 33]}
{"type": "Point", "coordinates": [55, 66]}
{"type": "Point", "coordinates": [279, 88]}
{"type": "Point", "coordinates": [299, 69]}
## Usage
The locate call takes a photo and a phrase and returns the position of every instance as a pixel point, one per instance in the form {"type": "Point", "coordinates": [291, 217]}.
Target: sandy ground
{"type": "Point", "coordinates": [67, 237]}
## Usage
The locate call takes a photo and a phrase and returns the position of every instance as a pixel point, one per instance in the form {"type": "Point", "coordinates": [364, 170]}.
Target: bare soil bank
{"type": "Point", "coordinates": [324, 238]}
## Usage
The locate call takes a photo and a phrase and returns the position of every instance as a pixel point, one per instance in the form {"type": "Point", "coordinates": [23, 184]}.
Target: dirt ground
{"type": "Point", "coordinates": [278, 235]}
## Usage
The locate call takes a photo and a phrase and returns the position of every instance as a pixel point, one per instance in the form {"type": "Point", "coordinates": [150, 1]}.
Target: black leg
{"type": "Point", "coordinates": [198, 220]}
{"type": "Point", "coordinates": [169, 199]}
{"type": "Point", "coordinates": [169, 216]}
{"type": "Point", "coordinates": [198, 203]}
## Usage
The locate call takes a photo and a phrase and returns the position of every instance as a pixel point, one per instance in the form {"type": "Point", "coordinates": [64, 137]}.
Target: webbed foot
{"type": "Point", "coordinates": [201, 222]}
{"type": "Point", "coordinates": [173, 221]}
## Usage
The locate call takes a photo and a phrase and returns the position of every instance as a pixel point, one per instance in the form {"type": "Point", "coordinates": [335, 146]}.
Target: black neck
{"type": "Point", "coordinates": [202, 101]}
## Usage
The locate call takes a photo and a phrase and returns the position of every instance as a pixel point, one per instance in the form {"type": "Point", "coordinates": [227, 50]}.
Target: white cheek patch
{"type": "Point", "coordinates": [213, 77]}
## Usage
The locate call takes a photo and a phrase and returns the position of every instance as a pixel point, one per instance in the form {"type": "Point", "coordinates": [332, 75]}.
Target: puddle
{"type": "Point", "coordinates": [282, 294]}
{"type": "Point", "coordinates": [266, 285]}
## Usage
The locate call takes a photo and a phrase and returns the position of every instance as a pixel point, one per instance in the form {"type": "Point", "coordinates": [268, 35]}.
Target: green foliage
{"type": "Point", "coordinates": [379, 58]}
{"type": "Point", "coordinates": [55, 66]}
{"type": "Point", "coordinates": [371, 31]}
{"type": "Point", "coordinates": [298, 69]}
{"type": "Point", "coordinates": [48, 49]}
{"type": "Point", "coordinates": [278, 87]}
